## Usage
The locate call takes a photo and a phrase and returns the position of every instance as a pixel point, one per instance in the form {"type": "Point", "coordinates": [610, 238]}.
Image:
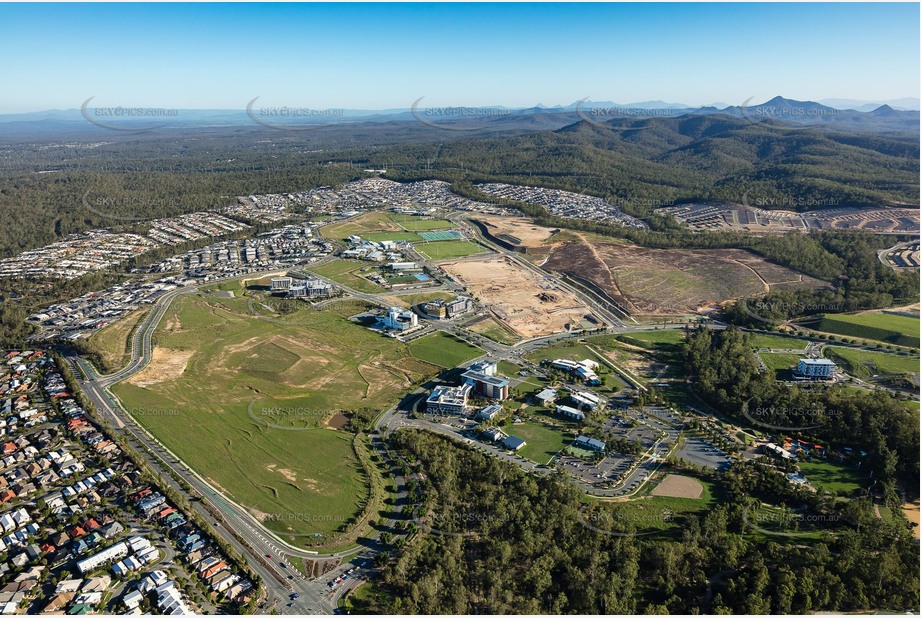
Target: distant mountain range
{"type": "Point", "coordinates": [894, 116]}
{"type": "Point", "coordinates": [905, 104]}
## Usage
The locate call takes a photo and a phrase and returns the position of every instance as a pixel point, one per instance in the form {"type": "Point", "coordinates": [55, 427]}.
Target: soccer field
{"type": "Point", "coordinates": [416, 224]}
{"type": "Point", "coordinates": [441, 235]}
{"type": "Point", "coordinates": [449, 249]}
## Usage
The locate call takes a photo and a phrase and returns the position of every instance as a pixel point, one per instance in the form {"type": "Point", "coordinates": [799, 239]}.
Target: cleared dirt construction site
{"type": "Point", "coordinates": [677, 486]}
{"type": "Point", "coordinates": [517, 230]}
{"type": "Point", "coordinates": [672, 281]}
{"type": "Point", "coordinates": [526, 303]}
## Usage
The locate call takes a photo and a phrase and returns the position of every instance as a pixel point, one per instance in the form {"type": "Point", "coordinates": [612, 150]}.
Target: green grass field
{"type": "Point", "coordinates": [780, 362]}
{"type": "Point", "coordinates": [886, 327]}
{"type": "Point", "coordinates": [403, 279]}
{"type": "Point", "coordinates": [542, 442]}
{"type": "Point", "coordinates": [381, 225]}
{"type": "Point", "coordinates": [568, 349]}
{"type": "Point", "coordinates": [443, 350]}
{"type": "Point", "coordinates": [643, 338]}
{"type": "Point", "coordinates": [246, 402]}
{"type": "Point", "coordinates": [226, 286]}
{"type": "Point", "coordinates": [863, 363]}
{"type": "Point", "coordinates": [494, 330]}
{"type": "Point", "coordinates": [419, 224]}
{"type": "Point", "coordinates": [346, 273]}
{"type": "Point", "coordinates": [777, 342]}
{"type": "Point", "coordinates": [449, 249]}
{"type": "Point", "coordinates": [581, 453]}
{"type": "Point", "coordinates": [377, 221]}
{"type": "Point", "coordinates": [409, 300]}
{"type": "Point", "coordinates": [379, 236]}
{"type": "Point", "coordinates": [775, 523]}
{"type": "Point", "coordinates": [831, 477]}
{"type": "Point", "coordinates": [111, 343]}
{"type": "Point", "coordinates": [657, 514]}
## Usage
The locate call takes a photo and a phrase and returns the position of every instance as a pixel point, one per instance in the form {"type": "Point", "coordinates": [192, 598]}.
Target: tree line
{"type": "Point", "coordinates": [500, 541]}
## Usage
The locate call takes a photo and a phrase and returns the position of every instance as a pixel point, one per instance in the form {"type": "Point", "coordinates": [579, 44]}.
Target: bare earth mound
{"type": "Point", "coordinates": [517, 230]}
{"type": "Point", "coordinates": [165, 365]}
{"type": "Point", "coordinates": [677, 486]}
{"type": "Point", "coordinates": [672, 281]}
{"type": "Point", "coordinates": [518, 298]}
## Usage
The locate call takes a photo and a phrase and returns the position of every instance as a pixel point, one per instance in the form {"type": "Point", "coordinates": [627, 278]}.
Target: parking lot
{"type": "Point", "coordinates": [608, 470]}
{"type": "Point", "coordinates": [702, 453]}
{"type": "Point", "coordinates": [654, 428]}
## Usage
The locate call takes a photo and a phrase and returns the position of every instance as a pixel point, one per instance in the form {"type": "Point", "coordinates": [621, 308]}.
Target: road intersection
{"type": "Point", "coordinates": [267, 554]}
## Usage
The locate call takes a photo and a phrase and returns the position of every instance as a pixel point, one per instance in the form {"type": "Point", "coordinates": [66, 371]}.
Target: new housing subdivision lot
{"type": "Point", "coordinates": [253, 405]}
{"type": "Point", "coordinates": [529, 304]}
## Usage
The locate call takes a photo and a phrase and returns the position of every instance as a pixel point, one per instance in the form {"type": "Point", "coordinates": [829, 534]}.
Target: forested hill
{"type": "Point", "coordinates": [512, 543]}
{"type": "Point", "coordinates": [659, 161]}
{"type": "Point", "coordinates": [641, 163]}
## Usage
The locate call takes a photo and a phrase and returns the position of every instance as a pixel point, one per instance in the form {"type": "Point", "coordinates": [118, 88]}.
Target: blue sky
{"type": "Point", "coordinates": [388, 55]}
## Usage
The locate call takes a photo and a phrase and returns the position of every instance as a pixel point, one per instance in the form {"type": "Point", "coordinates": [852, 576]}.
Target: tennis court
{"type": "Point", "coordinates": [441, 235]}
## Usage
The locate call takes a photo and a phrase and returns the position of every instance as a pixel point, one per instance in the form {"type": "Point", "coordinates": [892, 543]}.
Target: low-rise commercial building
{"type": "Point", "coordinates": [448, 400]}
{"type": "Point", "coordinates": [590, 443]}
{"type": "Point", "coordinates": [570, 412]}
{"type": "Point", "coordinates": [820, 368]}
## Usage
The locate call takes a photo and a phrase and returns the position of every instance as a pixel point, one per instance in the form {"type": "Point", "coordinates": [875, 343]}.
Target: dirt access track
{"type": "Point", "coordinates": [672, 281]}
{"type": "Point", "coordinates": [527, 303]}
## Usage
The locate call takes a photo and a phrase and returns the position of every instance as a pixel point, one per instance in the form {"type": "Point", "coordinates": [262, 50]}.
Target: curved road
{"type": "Point", "coordinates": [279, 577]}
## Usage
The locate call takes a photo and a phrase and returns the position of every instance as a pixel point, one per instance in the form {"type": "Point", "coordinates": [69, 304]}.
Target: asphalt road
{"type": "Point", "coordinates": [280, 578]}
{"type": "Point", "coordinates": [259, 542]}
